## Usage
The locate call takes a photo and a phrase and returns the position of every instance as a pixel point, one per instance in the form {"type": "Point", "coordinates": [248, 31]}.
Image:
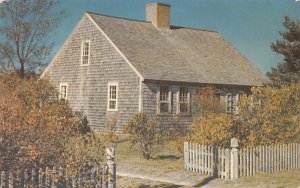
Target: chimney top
{"type": "Point", "coordinates": [158, 14]}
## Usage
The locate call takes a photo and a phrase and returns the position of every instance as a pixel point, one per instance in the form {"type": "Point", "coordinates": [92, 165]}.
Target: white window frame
{"type": "Point", "coordinates": [60, 91]}
{"type": "Point", "coordinates": [233, 108]}
{"type": "Point", "coordinates": [168, 101]}
{"type": "Point", "coordinates": [188, 101]}
{"type": "Point", "coordinates": [108, 96]}
{"type": "Point", "coordinates": [82, 51]}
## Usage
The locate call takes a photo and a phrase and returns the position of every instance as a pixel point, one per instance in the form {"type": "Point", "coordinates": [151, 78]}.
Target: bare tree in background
{"type": "Point", "coordinates": [24, 26]}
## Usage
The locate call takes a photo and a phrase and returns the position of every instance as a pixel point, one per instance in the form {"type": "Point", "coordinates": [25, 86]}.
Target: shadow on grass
{"type": "Point", "coordinates": [160, 186]}
{"type": "Point", "coordinates": [167, 157]}
{"type": "Point", "coordinates": [205, 181]}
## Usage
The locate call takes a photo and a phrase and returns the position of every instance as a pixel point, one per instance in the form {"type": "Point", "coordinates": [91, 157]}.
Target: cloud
{"type": "Point", "coordinates": [1, 1]}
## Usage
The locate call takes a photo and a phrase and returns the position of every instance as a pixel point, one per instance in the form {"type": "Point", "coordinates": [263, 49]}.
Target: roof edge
{"type": "Point", "coordinates": [144, 21]}
{"type": "Point", "coordinates": [99, 14]}
{"type": "Point", "coordinates": [207, 83]}
{"type": "Point", "coordinates": [60, 49]}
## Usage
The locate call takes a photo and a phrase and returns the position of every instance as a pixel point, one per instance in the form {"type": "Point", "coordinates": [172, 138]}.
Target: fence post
{"type": "Point", "coordinates": [111, 164]}
{"type": "Point", "coordinates": [186, 156]}
{"type": "Point", "coordinates": [234, 157]}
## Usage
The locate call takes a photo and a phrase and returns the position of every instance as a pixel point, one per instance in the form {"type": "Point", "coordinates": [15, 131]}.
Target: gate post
{"type": "Point", "coordinates": [234, 159]}
{"type": "Point", "coordinates": [111, 164]}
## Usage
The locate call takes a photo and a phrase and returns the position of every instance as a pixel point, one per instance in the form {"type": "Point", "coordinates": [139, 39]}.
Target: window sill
{"type": "Point", "coordinates": [112, 110]}
{"type": "Point", "coordinates": [184, 114]}
{"type": "Point", "coordinates": [85, 65]}
{"type": "Point", "coordinates": [164, 114]}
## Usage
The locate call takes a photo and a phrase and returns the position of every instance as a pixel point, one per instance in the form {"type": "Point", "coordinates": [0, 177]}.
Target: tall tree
{"type": "Point", "coordinates": [289, 70]}
{"type": "Point", "coordinates": [24, 26]}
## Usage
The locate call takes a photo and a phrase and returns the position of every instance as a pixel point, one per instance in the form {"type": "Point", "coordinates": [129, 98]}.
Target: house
{"type": "Point", "coordinates": [112, 66]}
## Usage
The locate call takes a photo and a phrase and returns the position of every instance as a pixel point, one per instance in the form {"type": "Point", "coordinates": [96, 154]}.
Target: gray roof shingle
{"type": "Point", "coordinates": [179, 54]}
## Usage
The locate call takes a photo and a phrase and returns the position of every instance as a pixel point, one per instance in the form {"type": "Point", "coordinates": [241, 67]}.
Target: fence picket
{"type": "Point", "coordinates": [10, 180]}
{"type": "Point", "coordinates": [202, 159]}
{"type": "Point", "coordinates": [198, 157]}
{"type": "Point", "coordinates": [241, 163]}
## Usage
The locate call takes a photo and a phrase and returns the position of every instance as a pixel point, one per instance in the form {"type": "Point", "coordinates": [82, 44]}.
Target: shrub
{"type": "Point", "coordinates": [211, 125]}
{"type": "Point", "coordinates": [270, 115]}
{"type": "Point", "coordinates": [213, 129]}
{"type": "Point", "coordinates": [35, 126]}
{"type": "Point", "coordinates": [146, 132]}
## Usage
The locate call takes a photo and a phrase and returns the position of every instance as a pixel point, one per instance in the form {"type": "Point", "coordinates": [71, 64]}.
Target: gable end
{"type": "Point", "coordinates": [117, 49]}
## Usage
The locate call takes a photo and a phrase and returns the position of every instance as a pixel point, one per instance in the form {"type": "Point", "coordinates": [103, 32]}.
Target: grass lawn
{"type": "Point", "coordinates": [165, 165]}
{"type": "Point", "coordinates": [164, 157]}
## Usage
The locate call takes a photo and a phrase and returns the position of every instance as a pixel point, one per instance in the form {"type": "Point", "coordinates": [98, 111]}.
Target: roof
{"type": "Point", "coordinates": [179, 54]}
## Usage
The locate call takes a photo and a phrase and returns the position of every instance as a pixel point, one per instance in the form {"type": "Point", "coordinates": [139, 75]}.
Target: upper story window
{"type": "Point", "coordinates": [164, 100]}
{"type": "Point", "coordinates": [63, 92]}
{"type": "Point", "coordinates": [231, 103]}
{"type": "Point", "coordinates": [112, 101]}
{"type": "Point", "coordinates": [85, 53]}
{"type": "Point", "coordinates": [183, 103]}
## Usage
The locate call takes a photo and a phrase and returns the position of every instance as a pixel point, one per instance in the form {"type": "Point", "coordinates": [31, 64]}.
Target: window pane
{"type": "Point", "coordinates": [184, 107]}
{"type": "Point", "coordinates": [183, 94]}
{"type": "Point", "coordinates": [164, 93]}
{"type": "Point", "coordinates": [85, 53]}
{"type": "Point", "coordinates": [112, 104]}
{"type": "Point", "coordinates": [229, 103]}
{"type": "Point", "coordinates": [164, 107]}
{"type": "Point", "coordinates": [113, 92]}
{"type": "Point", "coordinates": [85, 59]}
{"type": "Point", "coordinates": [63, 94]}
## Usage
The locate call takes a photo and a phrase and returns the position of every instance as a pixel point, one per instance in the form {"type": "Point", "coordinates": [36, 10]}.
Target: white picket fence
{"type": "Point", "coordinates": [269, 159]}
{"type": "Point", "coordinates": [95, 176]}
{"type": "Point", "coordinates": [54, 177]}
{"type": "Point", "coordinates": [234, 163]}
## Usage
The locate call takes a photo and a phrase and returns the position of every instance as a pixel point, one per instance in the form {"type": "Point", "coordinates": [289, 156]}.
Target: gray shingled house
{"type": "Point", "coordinates": [112, 65]}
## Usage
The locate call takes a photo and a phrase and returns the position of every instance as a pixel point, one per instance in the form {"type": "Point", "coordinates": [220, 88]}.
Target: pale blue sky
{"type": "Point", "coordinates": [250, 25]}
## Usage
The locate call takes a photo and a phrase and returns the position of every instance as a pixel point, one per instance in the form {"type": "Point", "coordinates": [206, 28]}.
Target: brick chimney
{"type": "Point", "coordinates": [158, 14]}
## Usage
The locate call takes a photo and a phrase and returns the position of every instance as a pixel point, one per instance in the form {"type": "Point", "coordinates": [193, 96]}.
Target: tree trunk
{"type": "Point", "coordinates": [22, 70]}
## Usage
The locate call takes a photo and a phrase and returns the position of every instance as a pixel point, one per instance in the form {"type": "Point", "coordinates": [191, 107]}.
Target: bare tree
{"type": "Point", "coordinates": [24, 26]}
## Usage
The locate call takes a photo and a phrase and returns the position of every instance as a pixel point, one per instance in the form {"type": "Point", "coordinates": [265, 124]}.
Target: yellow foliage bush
{"type": "Point", "coordinates": [213, 129]}
{"type": "Point", "coordinates": [270, 115]}
{"type": "Point", "coordinates": [35, 126]}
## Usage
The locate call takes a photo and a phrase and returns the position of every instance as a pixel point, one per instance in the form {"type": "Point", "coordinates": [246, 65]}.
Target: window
{"type": "Point", "coordinates": [164, 96]}
{"type": "Point", "coordinates": [112, 102]}
{"type": "Point", "coordinates": [85, 53]}
{"type": "Point", "coordinates": [231, 103]}
{"type": "Point", "coordinates": [183, 103]}
{"type": "Point", "coordinates": [63, 93]}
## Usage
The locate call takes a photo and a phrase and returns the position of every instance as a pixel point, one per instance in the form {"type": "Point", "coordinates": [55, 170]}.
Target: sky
{"type": "Point", "coordinates": [249, 25]}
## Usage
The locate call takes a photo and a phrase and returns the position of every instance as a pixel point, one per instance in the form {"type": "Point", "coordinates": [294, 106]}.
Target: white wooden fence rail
{"type": "Point", "coordinates": [233, 163]}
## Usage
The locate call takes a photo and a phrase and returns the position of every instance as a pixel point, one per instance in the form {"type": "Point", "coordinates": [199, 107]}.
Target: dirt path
{"type": "Point", "coordinates": [158, 179]}
{"type": "Point", "coordinates": [179, 178]}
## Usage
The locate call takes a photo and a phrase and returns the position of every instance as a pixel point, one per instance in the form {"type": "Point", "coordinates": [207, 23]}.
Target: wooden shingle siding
{"type": "Point", "coordinates": [87, 85]}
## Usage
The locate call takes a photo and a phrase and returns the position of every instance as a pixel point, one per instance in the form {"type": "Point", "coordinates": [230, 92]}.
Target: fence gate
{"type": "Point", "coordinates": [207, 160]}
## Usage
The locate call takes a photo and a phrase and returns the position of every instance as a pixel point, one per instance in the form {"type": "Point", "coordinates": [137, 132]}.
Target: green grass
{"type": "Point", "coordinates": [164, 157]}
